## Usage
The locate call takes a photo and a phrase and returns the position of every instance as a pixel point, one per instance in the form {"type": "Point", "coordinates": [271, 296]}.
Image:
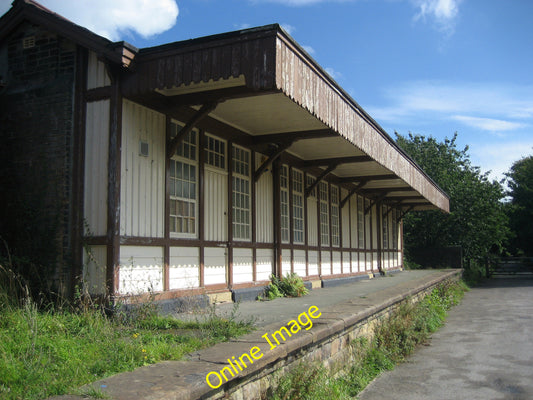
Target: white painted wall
{"type": "Point", "coordinates": [264, 263]}
{"type": "Point", "coordinates": [299, 263]}
{"type": "Point", "coordinates": [94, 269]}
{"type": "Point", "coordinates": [243, 266]}
{"type": "Point", "coordinates": [142, 191]}
{"type": "Point", "coordinates": [264, 206]}
{"type": "Point", "coordinates": [286, 262]}
{"type": "Point", "coordinates": [216, 204]}
{"type": "Point", "coordinates": [184, 268]}
{"type": "Point", "coordinates": [96, 73]}
{"type": "Point", "coordinates": [353, 221]}
{"type": "Point", "coordinates": [312, 257]}
{"type": "Point", "coordinates": [336, 262]}
{"type": "Point", "coordinates": [96, 163]}
{"type": "Point", "coordinates": [141, 269]}
{"type": "Point", "coordinates": [326, 262]}
{"type": "Point", "coordinates": [312, 221]}
{"type": "Point", "coordinates": [345, 218]}
{"type": "Point", "coordinates": [345, 262]}
{"type": "Point", "coordinates": [215, 265]}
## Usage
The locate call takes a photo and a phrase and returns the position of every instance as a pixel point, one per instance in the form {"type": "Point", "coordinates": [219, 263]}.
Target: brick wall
{"type": "Point", "coordinates": [36, 128]}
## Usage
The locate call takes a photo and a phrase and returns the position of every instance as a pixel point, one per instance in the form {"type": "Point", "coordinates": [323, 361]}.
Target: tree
{"type": "Point", "coordinates": [520, 183]}
{"type": "Point", "coordinates": [477, 221]}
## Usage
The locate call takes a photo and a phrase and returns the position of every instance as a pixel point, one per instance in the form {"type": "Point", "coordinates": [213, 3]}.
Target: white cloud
{"type": "Point", "coordinates": [489, 124]}
{"type": "Point", "coordinates": [498, 157]}
{"type": "Point", "coordinates": [334, 74]}
{"type": "Point", "coordinates": [309, 49]}
{"type": "Point", "coordinates": [442, 12]}
{"type": "Point", "coordinates": [288, 28]}
{"type": "Point", "coordinates": [487, 106]}
{"type": "Point", "coordinates": [115, 18]}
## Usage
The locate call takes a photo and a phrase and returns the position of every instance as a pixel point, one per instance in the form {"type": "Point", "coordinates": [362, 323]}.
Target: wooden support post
{"type": "Point", "coordinates": [352, 192]}
{"type": "Point", "coordinates": [268, 162]}
{"type": "Point", "coordinates": [403, 213]}
{"type": "Point", "coordinates": [325, 173]}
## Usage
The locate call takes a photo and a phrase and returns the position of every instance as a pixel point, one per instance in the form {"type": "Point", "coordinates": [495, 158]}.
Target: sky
{"type": "Point", "coordinates": [429, 67]}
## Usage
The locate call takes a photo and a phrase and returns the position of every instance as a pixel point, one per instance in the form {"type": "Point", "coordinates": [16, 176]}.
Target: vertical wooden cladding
{"type": "Point", "coordinates": [96, 73]}
{"type": "Point", "coordinates": [143, 177]}
{"type": "Point", "coordinates": [252, 56]}
{"type": "Point", "coordinates": [96, 167]}
{"type": "Point", "coordinates": [264, 207]}
{"type": "Point", "coordinates": [216, 204]}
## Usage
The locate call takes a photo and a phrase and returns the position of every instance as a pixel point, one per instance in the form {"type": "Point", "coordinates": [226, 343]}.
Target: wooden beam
{"type": "Point", "coordinates": [215, 95]}
{"type": "Point", "coordinates": [368, 178]}
{"type": "Point", "coordinates": [388, 190]}
{"type": "Point", "coordinates": [290, 136]}
{"type": "Point", "coordinates": [336, 161]}
{"type": "Point", "coordinates": [352, 192]}
{"type": "Point", "coordinates": [200, 114]}
{"type": "Point", "coordinates": [328, 170]}
{"type": "Point", "coordinates": [268, 162]}
{"type": "Point", "coordinates": [403, 214]}
{"type": "Point", "coordinates": [374, 201]}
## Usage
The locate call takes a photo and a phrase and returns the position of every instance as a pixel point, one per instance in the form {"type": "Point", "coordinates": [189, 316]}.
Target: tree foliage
{"type": "Point", "coordinates": [477, 221]}
{"type": "Point", "coordinates": [520, 183]}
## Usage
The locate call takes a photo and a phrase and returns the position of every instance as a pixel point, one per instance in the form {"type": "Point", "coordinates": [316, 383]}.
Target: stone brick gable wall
{"type": "Point", "coordinates": [36, 132]}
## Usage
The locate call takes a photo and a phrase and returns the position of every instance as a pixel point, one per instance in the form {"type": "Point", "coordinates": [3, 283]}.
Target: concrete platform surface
{"type": "Point", "coordinates": [485, 350]}
{"type": "Point", "coordinates": [341, 306]}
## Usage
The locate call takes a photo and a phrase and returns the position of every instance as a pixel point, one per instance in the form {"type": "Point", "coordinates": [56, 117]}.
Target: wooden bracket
{"type": "Point", "coordinates": [376, 200]}
{"type": "Point", "coordinates": [326, 172]}
{"type": "Point", "coordinates": [202, 113]}
{"type": "Point", "coordinates": [403, 213]}
{"type": "Point", "coordinates": [352, 192]}
{"type": "Point", "coordinates": [268, 162]}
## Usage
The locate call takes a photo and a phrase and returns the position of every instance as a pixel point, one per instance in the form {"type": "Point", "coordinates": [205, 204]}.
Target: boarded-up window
{"type": "Point", "coordinates": [298, 206]}
{"type": "Point", "coordinates": [335, 226]}
{"type": "Point", "coordinates": [324, 213]}
{"type": "Point", "coordinates": [241, 193]}
{"type": "Point", "coordinates": [183, 185]}
{"type": "Point", "coordinates": [284, 203]}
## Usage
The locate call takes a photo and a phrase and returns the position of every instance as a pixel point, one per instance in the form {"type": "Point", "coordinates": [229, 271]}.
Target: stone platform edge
{"type": "Point", "coordinates": [328, 342]}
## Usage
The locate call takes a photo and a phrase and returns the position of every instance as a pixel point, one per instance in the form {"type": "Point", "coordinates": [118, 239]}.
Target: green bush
{"type": "Point", "coordinates": [289, 286]}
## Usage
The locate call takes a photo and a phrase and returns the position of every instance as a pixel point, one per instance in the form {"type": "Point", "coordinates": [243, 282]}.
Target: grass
{"type": "Point", "coordinates": [394, 339]}
{"type": "Point", "coordinates": [46, 352]}
{"type": "Point", "coordinates": [290, 285]}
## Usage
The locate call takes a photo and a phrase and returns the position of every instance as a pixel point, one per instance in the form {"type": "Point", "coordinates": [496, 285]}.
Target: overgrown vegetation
{"type": "Point", "coordinates": [289, 286]}
{"type": "Point", "coordinates": [48, 350]}
{"type": "Point", "coordinates": [394, 338]}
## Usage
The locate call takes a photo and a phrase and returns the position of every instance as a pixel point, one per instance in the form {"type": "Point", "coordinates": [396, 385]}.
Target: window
{"type": "Point", "coordinates": [215, 152]}
{"type": "Point", "coordinates": [385, 227]}
{"type": "Point", "coordinates": [284, 206]}
{"type": "Point", "coordinates": [241, 193]}
{"type": "Point", "coordinates": [310, 182]}
{"type": "Point", "coordinates": [324, 213]}
{"type": "Point", "coordinates": [360, 222]}
{"type": "Point", "coordinates": [394, 227]}
{"type": "Point", "coordinates": [298, 206]}
{"type": "Point", "coordinates": [335, 224]}
{"type": "Point", "coordinates": [183, 185]}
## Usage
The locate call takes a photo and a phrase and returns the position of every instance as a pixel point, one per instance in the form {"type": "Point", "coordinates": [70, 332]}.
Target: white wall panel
{"type": "Point", "coordinates": [355, 262]}
{"type": "Point", "coordinates": [141, 269]}
{"type": "Point", "coordinates": [96, 72]}
{"type": "Point", "coordinates": [216, 205]}
{"type": "Point", "coordinates": [312, 221]}
{"type": "Point", "coordinates": [299, 263]}
{"type": "Point", "coordinates": [264, 206]}
{"type": "Point", "coordinates": [326, 262]}
{"type": "Point", "coordinates": [184, 268]}
{"type": "Point", "coordinates": [96, 163]}
{"type": "Point", "coordinates": [345, 217]}
{"type": "Point", "coordinates": [353, 221]}
{"type": "Point", "coordinates": [243, 271]}
{"type": "Point", "coordinates": [264, 262]}
{"type": "Point", "coordinates": [215, 262]}
{"type": "Point", "coordinates": [375, 261]}
{"type": "Point", "coordinates": [286, 262]}
{"type": "Point", "coordinates": [94, 269]}
{"type": "Point", "coordinates": [312, 258]}
{"type": "Point", "coordinates": [336, 262]}
{"type": "Point", "coordinates": [346, 263]}
{"type": "Point", "coordinates": [142, 194]}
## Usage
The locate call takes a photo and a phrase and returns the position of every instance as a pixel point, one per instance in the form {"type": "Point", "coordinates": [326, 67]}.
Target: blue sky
{"type": "Point", "coordinates": [432, 67]}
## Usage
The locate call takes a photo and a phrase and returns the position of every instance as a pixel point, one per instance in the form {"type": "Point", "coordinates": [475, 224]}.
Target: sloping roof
{"type": "Point", "coordinates": [268, 89]}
